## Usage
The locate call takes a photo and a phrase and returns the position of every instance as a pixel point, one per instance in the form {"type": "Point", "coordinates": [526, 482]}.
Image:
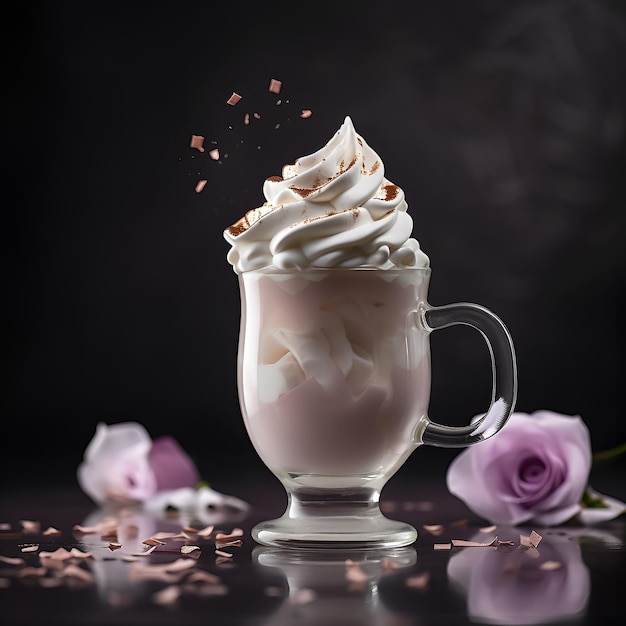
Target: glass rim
{"type": "Point", "coordinates": [272, 269]}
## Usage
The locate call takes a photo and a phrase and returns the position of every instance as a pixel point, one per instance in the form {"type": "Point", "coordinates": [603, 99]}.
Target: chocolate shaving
{"type": "Point", "coordinates": [226, 555]}
{"type": "Point", "coordinates": [275, 85]}
{"type": "Point", "coordinates": [442, 546]}
{"type": "Point", "coordinates": [206, 532]}
{"type": "Point", "coordinates": [32, 548]}
{"type": "Point", "coordinates": [530, 541]}
{"type": "Point", "coordinates": [197, 142]}
{"type": "Point", "coordinates": [433, 529]}
{"type": "Point", "coordinates": [151, 541]}
{"type": "Point", "coordinates": [235, 97]}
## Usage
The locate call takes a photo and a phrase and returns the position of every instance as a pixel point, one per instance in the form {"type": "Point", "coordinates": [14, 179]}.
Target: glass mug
{"type": "Point", "coordinates": [334, 381]}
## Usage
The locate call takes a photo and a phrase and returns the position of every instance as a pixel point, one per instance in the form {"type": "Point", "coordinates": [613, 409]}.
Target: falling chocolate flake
{"type": "Point", "coordinates": [275, 85]}
{"type": "Point", "coordinates": [51, 532]}
{"type": "Point", "coordinates": [188, 549]}
{"type": "Point", "coordinates": [433, 529]}
{"type": "Point", "coordinates": [550, 565]}
{"type": "Point", "coordinates": [306, 113]}
{"type": "Point", "coordinates": [442, 546]}
{"type": "Point", "coordinates": [233, 99]}
{"type": "Point", "coordinates": [197, 142]}
{"type": "Point", "coordinates": [200, 185]}
{"type": "Point", "coordinates": [214, 154]}
{"type": "Point", "coordinates": [114, 545]}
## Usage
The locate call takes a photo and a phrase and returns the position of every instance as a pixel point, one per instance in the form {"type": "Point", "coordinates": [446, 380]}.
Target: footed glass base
{"type": "Point", "coordinates": [337, 520]}
{"type": "Point", "coordinates": [334, 532]}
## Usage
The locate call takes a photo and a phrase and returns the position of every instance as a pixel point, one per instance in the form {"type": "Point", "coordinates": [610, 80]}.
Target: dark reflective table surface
{"type": "Point", "coordinates": [575, 575]}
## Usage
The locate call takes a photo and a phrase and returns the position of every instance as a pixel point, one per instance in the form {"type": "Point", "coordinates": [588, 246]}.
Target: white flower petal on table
{"type": "Point", "coordinates": [592, 515]}
{"type": "Point", "coordinates": [189, 500]}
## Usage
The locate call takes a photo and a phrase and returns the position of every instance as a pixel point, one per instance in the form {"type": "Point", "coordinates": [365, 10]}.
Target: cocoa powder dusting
{"type": "Point", "coordinates": [374, 168]}
{"type": "Point", "coordinates": [240, 226]}
{"type": "Point", "coordinates": [391, 192]}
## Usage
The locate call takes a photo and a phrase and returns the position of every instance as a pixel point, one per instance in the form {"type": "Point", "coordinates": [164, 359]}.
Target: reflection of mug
{"type": "Point", "coordinates": [334, 385]}
{"type": "Point", "coordinates": [333, 586]}
{"type": "Point", "coordinates": [513, 587]}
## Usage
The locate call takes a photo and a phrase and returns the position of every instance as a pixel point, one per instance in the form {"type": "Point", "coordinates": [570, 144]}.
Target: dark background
{"type": "Point", "coordinates": [502, 121]}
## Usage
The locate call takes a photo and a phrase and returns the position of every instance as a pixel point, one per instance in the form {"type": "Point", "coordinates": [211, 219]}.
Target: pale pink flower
{"type": "Point", "coordinates": [123, 464]}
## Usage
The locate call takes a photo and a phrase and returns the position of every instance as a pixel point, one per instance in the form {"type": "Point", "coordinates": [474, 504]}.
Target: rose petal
{"type": "Point", "coordinates": [171, 465]}
{"type": "Point", "coordinates": [466, 481]}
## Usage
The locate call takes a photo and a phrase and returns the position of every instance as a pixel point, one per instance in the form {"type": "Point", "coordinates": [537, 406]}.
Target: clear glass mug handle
{"type": "Point", "coordinates": [503, 367]}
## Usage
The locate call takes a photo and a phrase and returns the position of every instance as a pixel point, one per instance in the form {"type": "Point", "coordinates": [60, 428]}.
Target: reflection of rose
{"type": "Point", "coordinates": [515, 588]}
{"type": "Point", "coordinates": [123, 464]}
{"type": "Point", "coordinates": [536, 468]}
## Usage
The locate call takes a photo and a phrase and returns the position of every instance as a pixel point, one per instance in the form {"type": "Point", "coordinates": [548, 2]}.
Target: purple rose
{"type": "Point", "coordinates": [123, 464]}
{"type": "Point", "coordinates": [536, 468]}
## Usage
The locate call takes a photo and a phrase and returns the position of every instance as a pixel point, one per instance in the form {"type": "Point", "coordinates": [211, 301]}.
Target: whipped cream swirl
{"type": "Point", "coordinates": [333, 208]}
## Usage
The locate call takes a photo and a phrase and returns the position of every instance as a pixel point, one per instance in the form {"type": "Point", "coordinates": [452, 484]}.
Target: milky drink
{"type": "Point", "coordinates": [334, 370]}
